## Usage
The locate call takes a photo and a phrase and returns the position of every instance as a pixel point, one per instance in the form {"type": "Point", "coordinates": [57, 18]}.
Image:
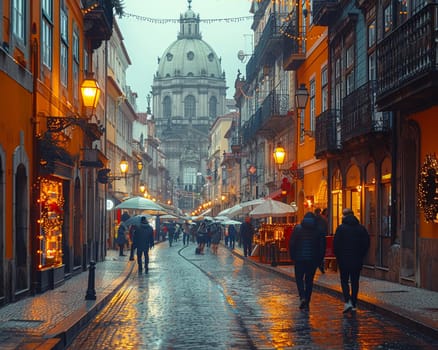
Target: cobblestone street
{"type": "Point", "coordinates": [190, 301]}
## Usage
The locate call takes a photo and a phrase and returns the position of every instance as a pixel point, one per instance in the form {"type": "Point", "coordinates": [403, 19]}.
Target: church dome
{"type": "Point", "coordinates": [189, 55]}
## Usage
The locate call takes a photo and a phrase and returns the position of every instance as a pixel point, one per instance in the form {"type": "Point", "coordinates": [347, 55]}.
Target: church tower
{"type": "Point", "coordinates": [189, 92]}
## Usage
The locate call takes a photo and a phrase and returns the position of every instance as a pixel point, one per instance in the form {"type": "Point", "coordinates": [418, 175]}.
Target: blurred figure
{"type": "Point", "coordinates": [232, 236]}
{"type": "Point", "coordinates": [322, 223]}
{"type": "Point", "coordinates": [350, 245]}
{"type": "Point", "coordinates": [186, 233]}
{"type": "Point", "coordinates": [306, 249]}
{"type": "Point", "coordinates": [143, 240]}
{"type": "Point", "coordinates": [216, 234]}
{"type": "Point", "coordinates": [202, 237]}
{"type": "Point", "coordinates": [246, 235]}
{"type": "Point", "coordinates": [121, 238]}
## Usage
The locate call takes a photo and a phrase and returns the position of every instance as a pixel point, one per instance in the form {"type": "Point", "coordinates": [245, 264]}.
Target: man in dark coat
{"type": "Point", "coordinates": [246, 235]}
{"type": "Point", "coordinates": [143, 240]}
{"type": "Point", "coordinates": [350, 245]}
{"type": "Point", "coordinates": [306, 249]}
{"type": "Point", "coordinates": [322, 223]}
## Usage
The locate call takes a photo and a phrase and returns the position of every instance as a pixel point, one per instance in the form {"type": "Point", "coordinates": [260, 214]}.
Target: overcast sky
{"type": "Point", "coordinates": [146, 39]}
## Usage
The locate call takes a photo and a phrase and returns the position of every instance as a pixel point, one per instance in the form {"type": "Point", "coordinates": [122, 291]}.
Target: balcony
{"type": "Point", "coordinates": [327, 139]}
{"type": "Point", "coordinates": [325, 12]}
{"type": "Point", "coordinates": [359, 115]}
{"type": "Point", "coordinates": [408, 66]}
{"type": "Point", "coordinates": [268, 47]}
{"type": "Point", "coordinates": [269, 119]}
{"type": "Point", "coordinates": [294, 49]}
{"type": "Point", "coordinates": [236, 144]}
{"type": "Point", "coordinates": [98, 21]}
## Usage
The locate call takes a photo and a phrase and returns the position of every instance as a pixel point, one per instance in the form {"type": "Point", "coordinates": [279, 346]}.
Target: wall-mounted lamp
{"type": "Point", "coordinates": [90, 92]}
{"type": "Point", "coordinates": [301, 98]}
{"type": "Point", "coordinates": [279, 154]}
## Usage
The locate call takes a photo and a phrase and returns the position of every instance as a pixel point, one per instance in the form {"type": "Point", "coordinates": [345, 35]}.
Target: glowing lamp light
{"type": "Point", "coordinates": [90, 91]}
{"type": "Point", "coordinates": [124, 165]}
{"type": "Point", "coordinates": [279, 154]}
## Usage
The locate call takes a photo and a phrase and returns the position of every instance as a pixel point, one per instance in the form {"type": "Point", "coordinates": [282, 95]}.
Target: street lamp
{"type": "Point", "coordinates": [90, 92]}
{"type": "Point", "coordinates": [279, 154]}
{"type": "Point", "coordinates": [301, 97]}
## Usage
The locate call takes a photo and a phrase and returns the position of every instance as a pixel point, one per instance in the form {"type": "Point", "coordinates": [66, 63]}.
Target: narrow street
{"type": "Point", "coordinates": [190, 301]}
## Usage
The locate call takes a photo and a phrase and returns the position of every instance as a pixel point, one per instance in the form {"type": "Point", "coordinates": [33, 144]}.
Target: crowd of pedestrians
{"type": "Point", "coordinates": [307, 247]}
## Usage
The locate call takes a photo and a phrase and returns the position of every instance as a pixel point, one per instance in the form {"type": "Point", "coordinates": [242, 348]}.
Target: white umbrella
{"type": "Point", "coordinates": [244, 207]}
{"type": "Point", "coordinates": [224, 212]}
{"type": "Point", "coordinates": [272, 208]}
{"type": "Point", "coordinates": [143, 204]}
{"type": "Point", "coordinates": [230, 222]}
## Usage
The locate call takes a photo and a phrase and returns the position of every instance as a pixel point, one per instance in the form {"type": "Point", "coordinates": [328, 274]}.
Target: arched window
{"type": "Point", "coordinates": [167, 107]}
{"type": "Point", "coordinates": [189, 107]}
{"type": "Point", "coordinates": [212, 107]}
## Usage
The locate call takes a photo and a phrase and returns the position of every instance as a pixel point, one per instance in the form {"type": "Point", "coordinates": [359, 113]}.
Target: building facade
{"type": "Point", "coordinates": [188, 93]}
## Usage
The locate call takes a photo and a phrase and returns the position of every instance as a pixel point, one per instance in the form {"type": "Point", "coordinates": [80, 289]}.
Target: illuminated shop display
{"type": "Point", "coordinates": [51, 204]}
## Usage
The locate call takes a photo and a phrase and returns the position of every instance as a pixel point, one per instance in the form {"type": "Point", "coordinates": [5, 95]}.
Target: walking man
{"type": "Point", "coordinates": [246, 235]}
{"type": "Point", "coordinates": [143, 240]}
{"type": "Point", "coordinates": [322, 223]}
{"type": "Point", "coordinates": [306, 249]}
{"type": "Point", "coordinates": [350, 245]}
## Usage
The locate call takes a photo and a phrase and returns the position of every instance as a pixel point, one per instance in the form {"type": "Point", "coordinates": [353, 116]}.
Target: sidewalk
{"type": "Point", "coordinates": [50, 320]}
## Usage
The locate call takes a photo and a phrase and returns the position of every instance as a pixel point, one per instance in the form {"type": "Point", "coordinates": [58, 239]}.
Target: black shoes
{"type": "Point", "coordinates": [304, 305]}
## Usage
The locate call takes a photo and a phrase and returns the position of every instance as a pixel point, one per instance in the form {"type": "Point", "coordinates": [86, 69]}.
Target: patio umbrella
{"type": "Point", "coordinates": [244, 208]}
{"type": "Point", "coordinates": [272, 208]}
{"type": "Point", "coordinates": [230, 222]}
{"type": "Point", "coordinates": [224, 212]}
{"type": "Point", "coordinates": [145, 205]}
{"type": "Point", "coordinates": [169, 217]}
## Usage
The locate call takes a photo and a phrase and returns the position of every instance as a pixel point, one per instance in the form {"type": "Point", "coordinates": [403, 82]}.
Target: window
{"type": "Point", "coordinates": [212, 107]}
{"type": "Point", "coordinates": [372, 34]}
{"type": "Point", "coordinates": [18, 19]}
{"type": "Point", "coordinates": [312, 104]}
{"type": "Point", "coordinates": [349, 70]}
{"type": "Point", "coordinates": [47, 32]}
{"type": "Point", "coordinates": [64, 47]}
{"type": "Point", "coordinates": [387, 19]}
{"type": "Point", "coordinates": [189, 176]}
{"type": "Point", "coordinates": [167, 107]}
{"type": "Point", "coordinates": [324, 89]}
{"type": "Point", "coordinates": [75, 67]}
{"type": "Point", "coordinates": [190, 107]}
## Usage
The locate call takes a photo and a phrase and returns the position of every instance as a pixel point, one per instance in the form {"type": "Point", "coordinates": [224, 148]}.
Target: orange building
{"type": "Point", "coordinates": [48, 154]}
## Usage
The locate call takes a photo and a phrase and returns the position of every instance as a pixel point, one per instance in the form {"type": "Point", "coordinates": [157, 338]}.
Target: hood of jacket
{"type": "Point", "coordinates": [309, 221]}
{"type": "Point", "coordinates": [350, 220]}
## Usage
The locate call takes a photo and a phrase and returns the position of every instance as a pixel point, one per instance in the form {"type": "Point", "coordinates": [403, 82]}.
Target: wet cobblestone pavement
{"type": "Point", "coordinates": [190, 301]}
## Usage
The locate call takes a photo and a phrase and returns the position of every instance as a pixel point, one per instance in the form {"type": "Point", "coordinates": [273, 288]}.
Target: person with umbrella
{"type": "Point", "coordinates": [143, 240]}
{"type": "Point", "coordinates": [121, 233]}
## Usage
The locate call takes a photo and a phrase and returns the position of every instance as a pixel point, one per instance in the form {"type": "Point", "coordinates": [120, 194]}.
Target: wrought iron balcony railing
{"type": "Point", "coordinates": [327, 133]}
{"type": "Point", "coordinates": [359, 114]}
{"type": "Point", "coordinates": [324, 12]}
{"type": "Point", "coordinates": [274, 106]}
{"type": "Point", "coordinates": [98, 20]}
{"type": "Point", "coordinates": [407, 63]}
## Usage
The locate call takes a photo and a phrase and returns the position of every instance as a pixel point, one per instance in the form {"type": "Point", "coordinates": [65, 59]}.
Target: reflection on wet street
{"type": "Point", "coordinates": [190, 301]}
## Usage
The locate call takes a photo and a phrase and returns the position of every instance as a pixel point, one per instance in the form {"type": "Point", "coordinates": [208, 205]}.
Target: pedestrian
{"type": "Point", "coordinates": [306, 249]}
{"type": "Point", "coordinates": [143, 240]}
{"type": "Point", "coordinates": [132, 229]}
{"type": "Point", "coordinates": [121, 238]}
{"type": "Point", "coordinates": [202, 237]}
{"type": "Point", "coordinates": [232, 236]}
{"type": "Point", "coordinates": [216, 234]}
{"type": "Point", "coordinates": [186, 233]}
{"type": "Point", "coordinates": [350, 244]}
{"type": "Point", "coordinates": [246, 235]}
{"type": "Point", "coordinates": [322, 223]}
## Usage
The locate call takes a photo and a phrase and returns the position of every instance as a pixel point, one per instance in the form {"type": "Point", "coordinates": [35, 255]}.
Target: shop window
{"type": "Point", "coordinates": [51, 207]}
{"type": "Point", "coordinates": [354, 191]}
{"type": "Point", "coordinates": [337, 204]}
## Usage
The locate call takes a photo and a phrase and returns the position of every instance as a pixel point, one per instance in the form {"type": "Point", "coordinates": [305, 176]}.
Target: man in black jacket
{"type": "Point", "coordinates": [350, 245]}
{"type": "Point", "coordinates": [143, 240]}
{"type": "Point", "coordinates": [306, 250]}
{"type": "Point", "coordinates": [246, 235]}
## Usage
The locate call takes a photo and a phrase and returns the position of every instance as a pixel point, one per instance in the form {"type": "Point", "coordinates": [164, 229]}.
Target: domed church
{"type": "Point", "coordinates": [189, 92]}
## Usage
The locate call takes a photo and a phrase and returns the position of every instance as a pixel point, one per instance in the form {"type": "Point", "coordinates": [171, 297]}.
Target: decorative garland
{"type": "Point", "coordinates": [174, 20]}
{"type": "Point", "coordinates": [427, 190]}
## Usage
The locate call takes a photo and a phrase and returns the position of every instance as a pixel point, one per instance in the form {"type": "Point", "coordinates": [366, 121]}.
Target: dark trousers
{"type": "Point", "coordinates": [304, 274]}
{"type": "Point", "coordinates": [131, 254]}
{"type": "Point", "coordinates": [140, 253]}
{"type": "Point", "coordinates": [186, 238]}
{"type": "Point", "coordinates": [121, 249]}
{"type": "Point", "coordinates": [232, 241]}
{"type": "Point", "coordinates": [348, 277]}
{"type": "Point", "coordinates": [247, 247]}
